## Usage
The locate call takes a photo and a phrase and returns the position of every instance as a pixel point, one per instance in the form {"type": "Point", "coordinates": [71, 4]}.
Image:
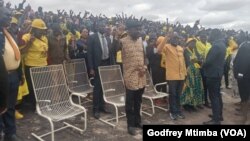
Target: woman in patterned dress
{"type": "Point", "coordinates": [193, 94]}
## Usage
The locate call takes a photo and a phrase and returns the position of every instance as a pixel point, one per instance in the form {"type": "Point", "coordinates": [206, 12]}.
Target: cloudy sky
{"type": "Point", "coordinates": [212, 13]}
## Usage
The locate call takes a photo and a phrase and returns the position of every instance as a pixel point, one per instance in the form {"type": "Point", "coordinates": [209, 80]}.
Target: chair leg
{"type": "Point", "coordinates": [116, 115]}
{"type": "Point", "coordinates": [79, 100]}
{"type": "Point", "coordinates": [52, 131]}
{"type": "Point", "coordinates": [153, 106]}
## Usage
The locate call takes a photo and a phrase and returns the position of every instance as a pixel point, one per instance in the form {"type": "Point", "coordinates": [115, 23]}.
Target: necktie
{"type": "Point", "coordinates": [105, 48]}
{"type": "Point", "coordinates": [13, 45]}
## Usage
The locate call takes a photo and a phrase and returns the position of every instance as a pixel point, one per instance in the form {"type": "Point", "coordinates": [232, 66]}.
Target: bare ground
{"type": "Point", "coordinates": [99, 131]}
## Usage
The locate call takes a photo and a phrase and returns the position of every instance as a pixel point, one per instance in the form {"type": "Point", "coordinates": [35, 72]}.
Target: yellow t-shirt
{"type": "Point", "coordinates": [69, 36]}
{"type": "Point", "coordinates": [37, 52]}
{"type": "Point", "coordinates": [203, 49]}
{"type": "Point", "coordinates": [119, 57]}
{"type": "Point", "coordinates": [175, 63]}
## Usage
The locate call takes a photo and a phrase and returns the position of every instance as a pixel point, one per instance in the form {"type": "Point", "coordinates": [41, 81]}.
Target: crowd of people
{"type": "Point", "coordinates": [192, 59]}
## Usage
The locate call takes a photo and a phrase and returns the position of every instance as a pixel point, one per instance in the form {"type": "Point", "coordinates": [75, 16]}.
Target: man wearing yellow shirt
{"type": "Point", "coordinates": [35, 47]}
{"type": "Point", "coordinates": [176, 72]}
{"type": "Point", "coordinates": [202, 49]}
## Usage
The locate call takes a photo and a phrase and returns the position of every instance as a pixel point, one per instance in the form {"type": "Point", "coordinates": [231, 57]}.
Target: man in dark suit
{"type": "Point", "coordinates": [98, 55]}
{"type": "Point", "coordinates": [213, 71]}
{"type": "Point", "coordinates": [241, 68]}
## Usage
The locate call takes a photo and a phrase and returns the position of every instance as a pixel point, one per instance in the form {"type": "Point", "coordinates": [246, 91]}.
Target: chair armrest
{"type": "Point", "coordinates": [91, 78]}
{"type": "Point", "coordinates": [159, 84]}
{"type": "Point", "coordinates": [48, 101]}
{"type": "Point", "coordinates": [109, 90]}
{"type": "Point", "coordinates": [73, 81]}
{"type": "Point", "coordinates": [83, 95]}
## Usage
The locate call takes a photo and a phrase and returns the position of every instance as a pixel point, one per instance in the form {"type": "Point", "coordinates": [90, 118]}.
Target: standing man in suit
{"type": "Point", "coordinates": [241, 68]}
{"type": "Point", "coordinates": [213, 71]}
{"type": "Point", "coordinates": [98, 55]}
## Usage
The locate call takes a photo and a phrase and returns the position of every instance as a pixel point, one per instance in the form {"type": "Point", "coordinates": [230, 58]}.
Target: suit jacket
{"type": "Point", "coordinates": [94, 52]}
{"type": "Point", "coordinates": [241, 64]}
{"type": "Point", "coordinates": [215, 60]}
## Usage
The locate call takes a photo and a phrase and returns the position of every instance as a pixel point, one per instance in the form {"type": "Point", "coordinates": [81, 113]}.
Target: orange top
{"type": "Point", "coordinates": [175, 62]}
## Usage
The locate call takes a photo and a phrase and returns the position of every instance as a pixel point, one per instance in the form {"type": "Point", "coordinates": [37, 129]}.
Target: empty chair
{"type": "Point", "coordinates": [53, 100]}
{"type": "Point", "coordinates": [113, 90]}
{"type": "Point", "coordinates": [152, 94]}
{"type": "Point", "coordinates": [77, 77]}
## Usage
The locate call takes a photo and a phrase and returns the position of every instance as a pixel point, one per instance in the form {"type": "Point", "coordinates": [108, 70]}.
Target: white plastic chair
{"type": "Point", "coordinates": [77, 77]}
{"type": "Point", "coordinates": [53, 100]}
{"type": "Point", "coordinates": [113, 90]}
{"type": "Point", "coordinates": [152, 94]}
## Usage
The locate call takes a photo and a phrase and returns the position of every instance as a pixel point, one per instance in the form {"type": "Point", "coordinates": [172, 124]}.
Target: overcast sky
{"type": "Point", "coordinates": [212, 13]}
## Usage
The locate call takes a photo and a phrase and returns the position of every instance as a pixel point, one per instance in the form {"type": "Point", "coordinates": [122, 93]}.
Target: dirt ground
{"type": "Point", "coordinates": [99, 131]}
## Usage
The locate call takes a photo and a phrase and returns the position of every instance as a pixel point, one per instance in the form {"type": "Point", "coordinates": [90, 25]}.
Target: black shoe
{"type": "Point", "coordinates": [211, 116]}
{"type": "Point", "coordinates": [96, 115]}
{"type": "Point", "coordinates": [139, 125]}
{"type": "Point", "coordinates": [211, 122]}
{"type": "Point", "coordinates": [11, 138]}
{"type": "Point", "coordinates": [131, 131]}
{"type": "Point", "coordinates": [105, 111]}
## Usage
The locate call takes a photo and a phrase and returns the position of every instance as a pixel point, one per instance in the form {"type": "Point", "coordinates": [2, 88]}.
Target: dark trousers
{"type": "Point", "coordinates": [98, 101]}
{"type": "Point", "coordinates": [4, 91]}
{"type": "Point", "coordinates": [30, 99]}
{"type": "Point", "coordinates": [213, 85]}
{"type": "Point", "coordinates": [226, 71]}
{"type": "Point", "coordinates": [175, 90]}
{"type": "Point", "coordinates": [7, 120]}
{"type": "Point", "coordinates": [204, 86]}
{"type": "Point", "coordinates": [158, 76]}
{"type": "Point", "coordinates": [133, 106]}
{"type": "Point", "coordinates": [244, 89]}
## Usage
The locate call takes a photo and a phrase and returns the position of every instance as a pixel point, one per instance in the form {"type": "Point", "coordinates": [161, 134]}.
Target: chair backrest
{"type": "Point", "coordinates": [149, 82]}
{"type": "Point", "coordinates": [112, 81]}
{"type": "Point", "coordinates": [49, 86]}
{"type": "Point", "coordinates": [76, 74]}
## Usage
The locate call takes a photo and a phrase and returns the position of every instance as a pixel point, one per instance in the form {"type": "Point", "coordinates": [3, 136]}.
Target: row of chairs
{"type": "Point", "coordinates": [56, 85]}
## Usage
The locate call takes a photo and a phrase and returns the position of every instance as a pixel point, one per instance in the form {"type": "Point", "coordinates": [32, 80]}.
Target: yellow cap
{"type": "Point", "coordinates": [38, 23]}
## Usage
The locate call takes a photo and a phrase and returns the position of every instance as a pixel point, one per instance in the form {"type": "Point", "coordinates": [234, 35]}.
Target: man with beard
{"type": "Point", "coordinates": [134, 68]}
